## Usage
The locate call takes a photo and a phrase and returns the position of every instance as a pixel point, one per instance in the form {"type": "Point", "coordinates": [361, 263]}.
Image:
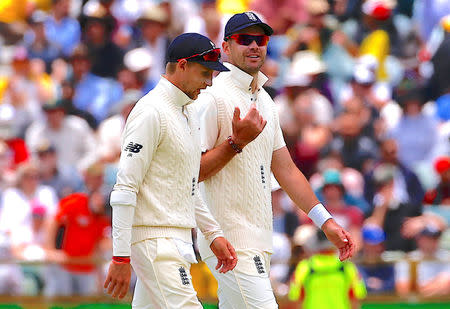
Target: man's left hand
{"type": "Point", "coordinates": [340, 238]}
{"type": "Point", "coordinates": [226, 256]}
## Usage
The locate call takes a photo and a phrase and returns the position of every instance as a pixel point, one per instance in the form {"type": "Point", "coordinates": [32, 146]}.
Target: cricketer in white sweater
{"type": "Point", "coordinates": [239, 196]}
{"type": "Point", "coordinates": [158, 172]}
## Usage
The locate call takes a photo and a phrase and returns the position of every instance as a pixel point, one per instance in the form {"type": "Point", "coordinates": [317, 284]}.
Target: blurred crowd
{"type": "Point", "coordinates": [363, 93]}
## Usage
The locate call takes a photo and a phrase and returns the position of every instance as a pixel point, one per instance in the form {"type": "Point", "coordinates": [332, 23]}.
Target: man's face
{"type": "Point", "coordinates": [248, 58]}
{"type": "Point", "coordinates": [427, 244]}
{"type": "Point", "coordinates": [389, 151]}
{"type": "Point", "coordinates": [55, 117]}
{"type": "Point", "coordinates": [196, 77]}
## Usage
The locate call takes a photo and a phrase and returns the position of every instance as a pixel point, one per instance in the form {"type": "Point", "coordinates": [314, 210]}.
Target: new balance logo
{"type": "Point", "coordinates": [183, 276]}
{"type": "Point", "coordinates": [259, 265]}
{"type": "Point", "coordinates": [133, 147]}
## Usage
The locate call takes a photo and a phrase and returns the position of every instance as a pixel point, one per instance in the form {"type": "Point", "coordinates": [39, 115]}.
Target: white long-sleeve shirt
{"type": "Point", "coordinates": [158, 172]}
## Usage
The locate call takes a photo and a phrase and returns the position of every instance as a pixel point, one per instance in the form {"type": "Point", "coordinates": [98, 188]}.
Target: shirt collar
{"type": "Point", "coordinates": [243, 79]}
{"type": "Point", "coordinates": [180, 98]}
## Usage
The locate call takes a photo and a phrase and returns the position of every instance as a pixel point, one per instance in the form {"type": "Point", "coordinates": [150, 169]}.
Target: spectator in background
{"type": "Point", "coordinates": [407, 188]}
{"type": "Point", "coordinates": [416, 133]}
{"type": "Point", "coordinates": [61, 29]}
{"type": "Point", "coordinates": [153, 25]}
{"type": "Point", "coordinates": [441, 194]}
{"type": "Point", "coordinates": [378, 275]}
{"type": "Point", "coordinates": [281, 15]}
{"type": "Point", "coordinates": [103, 9]}
{"type": "Point", "coordinates": [208, 22]}
{"type": "Point", "coordinates": [315, 34]}
{"type": "Point", "coordinates": [299, 252]}
{"type": "Point", "coordinates": [36, 40]}
{"type": "Point", "coordinates": [110, 131]}
{"type": "Point", "coordinates": [67, 95]}
{"type": "Point", "coordinates": [362, 98]}
{"type": "Point", "coordinates": [348, 216]}
{"type": "Point", "coordinates": [322, 281]}
{"type": "Point", "coordinates": [432, 263]}
{"type": "Point", "coordinates": [351, 179]}
{"type": "Point", "coordinates": [427, 14]}
{"type": "Point", "coordinates": [15, 147]}
{"type": "Point", "coordinates": [390, 211]}
{"type": "Point", "coordinates": [93, 94]}
{"type": "Point", "coordinates": [64, 179]}
{"type": "Point", "coordinates": [11, 276]}
{"type": "Point", "coordinates": [85, 236]}
{"type": "Point", "coordinates": [94, 181]}
{"type": "Point", "coordinates": [17, 204]}
{"type": "Point", "coordinates": [105, 55]}
{"type": "Point", "coordinates": [357, 150]}
{"type": "Point", "coordinates": [301, 79]}
{"type": "Point", "coordinates": [7, 173]}
{"type": "Point", "coordinates": [21, 95]}
{"type": "Point", "coordinates": [304, 113]}
{"type": "Point", "coordinates": [73, 139]}
{"type": "Point", "coordinates": [377, 35]}
{"type": "Point", "coordinates": [138, 62]}
{"type": "Point", "coordinates": [440, 80]}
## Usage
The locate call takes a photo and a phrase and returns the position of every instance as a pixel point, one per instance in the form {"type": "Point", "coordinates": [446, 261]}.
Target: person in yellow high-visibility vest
{"type": "Point", "coordinates": [322, 281]}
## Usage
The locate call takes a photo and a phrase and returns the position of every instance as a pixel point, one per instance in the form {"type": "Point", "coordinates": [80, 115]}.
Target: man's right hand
{"type": "Point", "coordinates": [247, 129]}
{"type": "Point", "coordinates": [226, 256]}
{"type": "Point", "coordinates": [118, 279]}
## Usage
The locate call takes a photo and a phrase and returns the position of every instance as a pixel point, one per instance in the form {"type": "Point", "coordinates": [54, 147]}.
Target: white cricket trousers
{"type": "Point", "coordinates": [248, 285]}
{"type": "Point", "coordinates": [163, 276]}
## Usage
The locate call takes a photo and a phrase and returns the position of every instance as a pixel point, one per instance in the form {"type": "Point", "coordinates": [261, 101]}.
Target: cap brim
{"type": "Point", "coordinates": [214, 65]}
{"type": "Point", "coordinates": [267, 29]}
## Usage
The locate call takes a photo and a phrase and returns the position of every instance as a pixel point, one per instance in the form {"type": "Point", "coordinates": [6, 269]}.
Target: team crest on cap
{"type": "Point", "coordinates": [251, 16]}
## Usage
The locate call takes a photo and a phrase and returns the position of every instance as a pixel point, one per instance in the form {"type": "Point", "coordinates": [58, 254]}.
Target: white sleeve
{"type": "Point", "coordinates": [122, 221]}
{"type": "Point", "coordinates": [139, 142]}
{"type": "Point", "coordinates": [207, 113]}
{"type": "Point", "coordinates": [209, 227]}
{"type": "Point", "coordinates": [278, 142]}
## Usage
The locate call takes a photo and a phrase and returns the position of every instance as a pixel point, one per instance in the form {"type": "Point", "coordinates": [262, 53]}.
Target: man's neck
{"type": "Point", "coordinates": [254, 83]}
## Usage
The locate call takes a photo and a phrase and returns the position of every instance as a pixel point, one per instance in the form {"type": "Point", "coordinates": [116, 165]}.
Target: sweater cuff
{"type": "Point", "coordinates": [122, 198]}
{"type": "Point", "coordinates": [210, 236]}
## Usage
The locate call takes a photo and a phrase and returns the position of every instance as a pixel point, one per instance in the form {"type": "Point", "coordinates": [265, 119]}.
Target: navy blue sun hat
{"type": "Point", "coordinates": [196, 48]}
{"type": "Point", "coordinates": [241, 21]}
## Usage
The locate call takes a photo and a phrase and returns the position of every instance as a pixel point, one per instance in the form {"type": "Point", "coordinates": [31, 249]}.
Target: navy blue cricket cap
{"type": "Point", "coordinates": [192, 46]}
{"type": "Point", "coordinates": [241, 21]}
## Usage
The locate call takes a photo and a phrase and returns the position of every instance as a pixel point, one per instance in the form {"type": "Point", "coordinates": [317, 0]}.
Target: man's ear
{"type": "Point", "coordinates": [226, 47]}
{"type": "Point", "coordinates": [182, 64]}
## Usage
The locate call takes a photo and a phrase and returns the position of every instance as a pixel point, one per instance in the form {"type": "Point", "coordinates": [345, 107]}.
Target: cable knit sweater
{"type": "Point", "coordinates": [239, 196]}
{"type": "Point", "coordinates": [159, 166]}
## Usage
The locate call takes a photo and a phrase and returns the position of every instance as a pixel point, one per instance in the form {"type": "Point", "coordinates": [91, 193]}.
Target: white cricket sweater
{"type": "Point", "coordinates": [239, 196]}
{"type": "Point", "coordinates": [159, 165]}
